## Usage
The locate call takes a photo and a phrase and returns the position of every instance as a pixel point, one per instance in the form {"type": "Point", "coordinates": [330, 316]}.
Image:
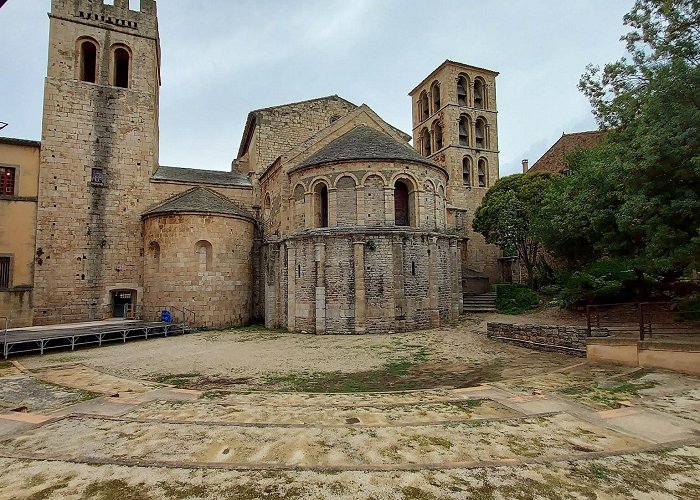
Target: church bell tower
{"type": "Point", "coordinates": [99, 148]}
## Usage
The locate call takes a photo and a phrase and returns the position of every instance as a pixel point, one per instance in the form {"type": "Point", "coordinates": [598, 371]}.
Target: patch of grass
{"type": "Point", "coordinates": [178, 380]}
{"type": "Point", "coordinates": [48, 492]}
{"type": "Point", "coordinates": [413, 493]}
{"type": "Point", "coordinates": [115, 488]}
{"type": "Point", "coordinates": [398, 375]}
{"type": "Point", "coordinates": [434, 441]}
{"type": "Point", "coordinates": [212, 394]}
{"type": "Point", "coordinates": [630, 388]}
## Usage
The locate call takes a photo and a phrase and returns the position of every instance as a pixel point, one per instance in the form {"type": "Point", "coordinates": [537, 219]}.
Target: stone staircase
{"type": "Point", "coordinates": [480, 303]}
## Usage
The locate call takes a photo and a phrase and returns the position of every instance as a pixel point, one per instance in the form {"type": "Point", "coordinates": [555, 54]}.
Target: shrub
{"type": "Point", "coordinates": [604, 281]}
{"type": "Point", "coordinates": [512, 298]}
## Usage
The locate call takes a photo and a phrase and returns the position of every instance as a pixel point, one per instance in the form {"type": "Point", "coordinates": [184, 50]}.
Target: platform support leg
{"type": "Point", "coordinates": [72, 343]}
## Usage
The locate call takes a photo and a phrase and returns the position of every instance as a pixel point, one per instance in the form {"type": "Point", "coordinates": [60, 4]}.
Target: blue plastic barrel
{"type": "Point", "coordinates": [165, 316]}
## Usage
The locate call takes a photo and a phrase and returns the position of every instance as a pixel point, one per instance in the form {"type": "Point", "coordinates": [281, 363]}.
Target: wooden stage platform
{"type": "Point", "coordinates": [69, 336]}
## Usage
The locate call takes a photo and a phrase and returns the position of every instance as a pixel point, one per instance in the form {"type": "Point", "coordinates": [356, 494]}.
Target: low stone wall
{"type": "Point", "coordinates": [567, 339]}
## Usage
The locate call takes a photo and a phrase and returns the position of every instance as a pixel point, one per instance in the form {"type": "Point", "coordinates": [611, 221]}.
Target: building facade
{"type": "Point", "coordinates": [328, 222]}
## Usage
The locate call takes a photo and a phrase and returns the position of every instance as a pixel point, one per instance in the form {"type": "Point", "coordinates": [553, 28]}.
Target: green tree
{"type": "Point", "coordinates": [638, 196]}
{"type": "Point", "coordinates": [506, 214]}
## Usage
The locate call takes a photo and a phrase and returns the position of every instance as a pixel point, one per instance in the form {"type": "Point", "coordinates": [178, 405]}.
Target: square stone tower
{"type": "Point", "coordinates": [455, 125]}
{"type": "Point", "coordinates": [99, 148]}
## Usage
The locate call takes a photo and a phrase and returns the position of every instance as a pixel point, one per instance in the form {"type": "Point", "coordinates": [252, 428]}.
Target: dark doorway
{"type": "Point", "coordinates": [401, 204]}
{"type": "Point", "coordinates": [122, 301]}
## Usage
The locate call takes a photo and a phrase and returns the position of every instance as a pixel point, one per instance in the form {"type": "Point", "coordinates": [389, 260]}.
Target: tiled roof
{"type": "Point", "coordinates": [196, 176]}
{"type": "Point", "coordinates": [20, 142]}
{"type": "Point", "coordinates": [199, 200]}
{"type": "Point", "coordinates": [364, 143]}
{"type": "Point", "coordinates": [554, 159]}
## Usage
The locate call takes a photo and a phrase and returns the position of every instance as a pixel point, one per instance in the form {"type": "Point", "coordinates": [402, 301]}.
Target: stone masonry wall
{"type": "Point", "coordinates": [349, 281]}
{"type": "Point", "coordinates": [567, 339]}
{"type": "Point", "coordinates": [282, 128]}
{"type": "Point", "coordinates": [89, 233]}
{"type": "Point", "coordinates": [218, 289]}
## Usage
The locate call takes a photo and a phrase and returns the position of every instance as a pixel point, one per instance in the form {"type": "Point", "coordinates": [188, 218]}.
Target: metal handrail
{"type": "Point", "coordinates": [4, 343]}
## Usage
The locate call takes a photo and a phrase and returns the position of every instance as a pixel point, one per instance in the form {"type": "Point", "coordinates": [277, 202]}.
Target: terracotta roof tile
{"type": "Point", "coordinates": [554, 159]}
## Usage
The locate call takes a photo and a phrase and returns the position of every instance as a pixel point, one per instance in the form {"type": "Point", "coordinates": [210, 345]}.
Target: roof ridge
{"type": "Point", "coordinates": [198, 169]}
{"type": "Point", "coordinates": [377, 144]}
{"type": "Point", "coordinates": [174, 197]}
{"type": "Point", "coordinates": [304, 101]}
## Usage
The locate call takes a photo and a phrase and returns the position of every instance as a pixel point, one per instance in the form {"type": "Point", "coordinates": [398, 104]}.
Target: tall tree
{"type": "Point", "coordinates": [506, 214]}
{"type": "Point", "coordinates": [643, 188]}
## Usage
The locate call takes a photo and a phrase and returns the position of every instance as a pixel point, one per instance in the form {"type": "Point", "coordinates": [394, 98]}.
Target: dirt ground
{"type": "Point", "coordinates": [252, 413]}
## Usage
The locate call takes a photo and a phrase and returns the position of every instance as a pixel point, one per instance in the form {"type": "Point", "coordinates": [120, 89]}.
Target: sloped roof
{"type": "Point", "coordinates": [20, 142]}
{"type": "Point", "coordinates": [364, 143]}
{"type": "Point", "coordinates": [554, 159]}
{"type": "Point", "coordinates": [199, 200]}
{"type": "Point", "coordinates": [197, 176]}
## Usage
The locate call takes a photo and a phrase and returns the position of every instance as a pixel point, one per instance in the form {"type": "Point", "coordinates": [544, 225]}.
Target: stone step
{"type": "Point", "coordinates": [416, 413]}
{"type": "Point", "coordinates": [546, 436]}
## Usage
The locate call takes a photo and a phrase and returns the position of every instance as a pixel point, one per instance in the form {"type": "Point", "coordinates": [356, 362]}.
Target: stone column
{"type": "Point", "coordinates": [309, 216]}
{"type": "Point", "coordinates": [420, 208]}
{"type": "Point", "coordinates": [270, 287]}
{"type": "Point", "coordinates": [332, 207]}
{"type": "Point", "coordinates": [360, 302]}
{"type": "Point", "coordinates": [399, 286]}
{"type": "Point", "coordinates": [291, 287]}
{"type": "Point", "coordinates": [389, 210]}
{"type": "Point", "coordinates": [433, 310]}
{"type": "Point", "coordinates": [455, 270]}
{"type": "Point", "coordinates": [320, 260]}
{"type": "Point", "coordinates": [361, 215]}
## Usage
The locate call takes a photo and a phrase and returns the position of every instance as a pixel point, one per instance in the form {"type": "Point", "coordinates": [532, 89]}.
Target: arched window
{"type": "Point", "coordinates": [321, 204]}
{"type": "Point", "coordinates": [154, 253]}
{"type": "Point", "coordinates": [481, 141]}
{"type": "Point", "coordinates": [88, 61]}
{"type": "Point", "coordinates": [267, 206]}
{"type": "Point", "coordinates": [464, 130]}
{"type": "Point", "coordinates": [467, 171]}
{"type": "Point", "coordinates": [423, 106]}
{"type": "Point", "coordinates": [435, 91]}
{"type": "Point", "coordinates": [437, 134]}
{"type": "Point", "coordinates": [203, 250]}
{"type": "Point", "coordinates": [121, 70]}
{"type": "Point", "coordinates": [462, 95]}
{"type": "Point", "coordinates": [479, 94]}
{"type": "Point", "coordinates": [482, 172]}
{"type": "Point", "coordinates": [402, 215]}
{"type": "Point", "coordinates": [425, 143]}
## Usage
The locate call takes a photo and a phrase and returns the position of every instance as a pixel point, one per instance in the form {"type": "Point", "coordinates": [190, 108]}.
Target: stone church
{"type": "Point", "coordinates": [329, 221]}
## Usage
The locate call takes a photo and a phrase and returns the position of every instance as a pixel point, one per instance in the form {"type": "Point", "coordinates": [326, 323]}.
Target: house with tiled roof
{"type": "Point", "coordinates": [554, 160]}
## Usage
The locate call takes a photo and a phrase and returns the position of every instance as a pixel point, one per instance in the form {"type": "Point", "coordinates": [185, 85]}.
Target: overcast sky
{"type": "Point", "coordinates": [223, 58]}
